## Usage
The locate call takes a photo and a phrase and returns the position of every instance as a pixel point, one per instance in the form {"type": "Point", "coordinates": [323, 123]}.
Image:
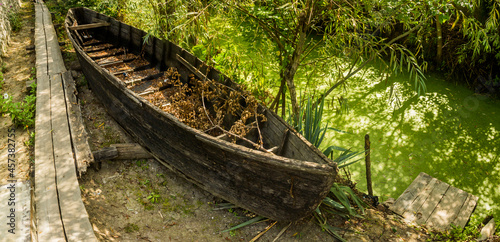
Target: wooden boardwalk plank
{"type": "Point", "coordinates": [436, 203]}
{"type": "Point", "coordinates": [40, 44]}
{"type": "Point", "coordinates": [410, 193]}
{"type": "Point", "coordinates": [49, 224]}
{"type": "Point", "coordinates": [60, 213]}
{"type": "Point", "coordinates": [48, 218]}
{"type": "Point", "coordinates": [410, 214]}
{"type": "Point", "coordinates": [466, 210]}
{"type": "Point", "coordinates": [73, 213]}
{"type": "Point", "coordinates": [55, 60]}
{"type": "Point", "coordinates": [79, 137]}
{"type": "Point", "coordinates": [447, 210]}
{"type": "Point", "coordinates": [430, 204]}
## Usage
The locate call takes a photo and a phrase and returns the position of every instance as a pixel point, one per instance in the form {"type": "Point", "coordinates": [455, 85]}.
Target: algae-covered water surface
{"type": "Point", "coordinates": [449, 133]}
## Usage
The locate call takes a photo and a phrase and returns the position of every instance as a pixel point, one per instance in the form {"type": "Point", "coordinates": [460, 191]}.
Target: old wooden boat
{"type": "Point", "coordinates": [270, 170]}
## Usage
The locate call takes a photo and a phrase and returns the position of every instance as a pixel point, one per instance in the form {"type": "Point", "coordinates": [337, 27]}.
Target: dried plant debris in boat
{"type": "Point", "coordinates": [207, 105]}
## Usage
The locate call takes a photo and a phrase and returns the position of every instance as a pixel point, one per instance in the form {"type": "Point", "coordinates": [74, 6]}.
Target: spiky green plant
{"type": "Point", "coordinates": [340, 199]}
{"type": "Point", "coordinates": [310, 125]}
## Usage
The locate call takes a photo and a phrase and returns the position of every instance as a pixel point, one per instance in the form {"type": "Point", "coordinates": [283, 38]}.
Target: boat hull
{"type": "Point", "coordinates": [278, 187]}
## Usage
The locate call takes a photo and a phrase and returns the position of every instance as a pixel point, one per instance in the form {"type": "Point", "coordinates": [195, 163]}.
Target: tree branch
{"type": "Point", "coordinates": [350, 74]}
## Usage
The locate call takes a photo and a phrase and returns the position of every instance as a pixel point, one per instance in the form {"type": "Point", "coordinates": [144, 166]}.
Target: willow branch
{"type": "Point", "coordinates": [360, 67]}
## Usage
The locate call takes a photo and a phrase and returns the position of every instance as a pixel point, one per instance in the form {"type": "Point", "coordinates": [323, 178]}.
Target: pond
{"type": "Point", "coordinates": [449, 133]}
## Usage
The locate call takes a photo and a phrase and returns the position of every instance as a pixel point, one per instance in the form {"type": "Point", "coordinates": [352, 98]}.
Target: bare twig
{"type": "Point", "coordinates": [263, 232]}
{"type": "Point", "coordinates": [205, 109]}
{"type": "Point", "coordinates": [261, 141]}
{"type": "Point", "coordinates": [281, 232]}
{"type": "Point", "coordinates": [259, 147]}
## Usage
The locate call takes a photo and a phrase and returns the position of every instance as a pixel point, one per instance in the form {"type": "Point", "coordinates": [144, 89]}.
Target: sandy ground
{"type": "Point", "coordinates": [18, 68]}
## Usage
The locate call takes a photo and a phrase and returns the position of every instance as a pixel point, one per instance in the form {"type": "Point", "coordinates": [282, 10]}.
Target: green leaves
{"type": "Point", "coordinates": [154, 197]}
{"type": "Point", "coordinates": [310, 125]}
{"type": "Point", "coordinates": [310, 122]}
{"type": "Point", "coordinates": [339, 202]}
{"type": "Point", "coordinates": [21, 113]}
{"type": "Point", "coordinates": [254, 220]}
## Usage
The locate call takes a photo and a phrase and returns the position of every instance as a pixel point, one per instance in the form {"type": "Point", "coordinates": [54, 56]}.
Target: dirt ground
{"type": "Point", "coordinates": [17, 67]}
{"type": "Point", "coordinates": [141, 200]}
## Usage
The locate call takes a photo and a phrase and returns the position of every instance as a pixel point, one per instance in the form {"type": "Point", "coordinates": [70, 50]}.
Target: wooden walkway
{"type": "Point", "coordinates": [435, 203]}
{"type": "Point", "coordinates": [60, 143]}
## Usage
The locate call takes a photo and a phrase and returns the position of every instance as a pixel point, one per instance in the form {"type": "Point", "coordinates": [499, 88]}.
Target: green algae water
{"type": "Point", "coordinates": [449, 133]}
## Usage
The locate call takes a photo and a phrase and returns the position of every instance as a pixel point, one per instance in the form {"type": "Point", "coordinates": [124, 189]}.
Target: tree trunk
{"type": "Point", "coordinates": [293, 65]}
{"type": "Point", "coordinates": [439, 33]}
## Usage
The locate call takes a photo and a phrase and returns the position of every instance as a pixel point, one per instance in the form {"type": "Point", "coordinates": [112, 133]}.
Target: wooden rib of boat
{"type": "Point", "coordinates": [284, 179]}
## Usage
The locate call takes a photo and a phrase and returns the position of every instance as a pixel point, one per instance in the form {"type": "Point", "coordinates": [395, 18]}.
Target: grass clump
{"type": "Point", "coordinates": [22, 113]}
{"type": "Point", "coordinates": [130, 228]}
{"type": "Point", "coordinates": [15, 20]}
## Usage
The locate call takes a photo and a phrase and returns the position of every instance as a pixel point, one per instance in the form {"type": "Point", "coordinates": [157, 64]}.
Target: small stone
{"type": "Point", "coordinates": [389, 202]}
{"type": "Point", "coordinates": [488, 230]}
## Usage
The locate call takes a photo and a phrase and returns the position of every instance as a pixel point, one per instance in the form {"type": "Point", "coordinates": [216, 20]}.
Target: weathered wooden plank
{"type": "Point", "coordinates": [279, 151]}
{"type": "Point", "coordinates": [40, 43]}
{"type": "Point", "coordinates": [430, 204]}
{"type": "Point", "coordinates": [74, 216]}
{"type": "Point", "coordinates": [79, 136]}
{"type": "Point", "coordinates": [409, 213]}
{"type": "Point", "coordinates": [438, 204]}
{"type": "Point", "coordinates": [447, 210]}
{"type": "Point", "coordinates": [49, 224]}
{"type": "Point", "coordinates": [296, 145]}
{"type": "Point", "coordinates": [54, 57]}
{"type": "Point", "coordinates": [136, 36]}
{"type": "Point", "coordinates": [160, 54]}
{"type": "Point", "coordinates": [97, 19]}
{"type": "Point", "coordinates": [410, 193]}
{"type": "Point", "coordinates": [96, 58]}
{"type": "Point", "coordinates": [114, 28]}
{"type": "Point", "coordinates": [131, 151]}
{"type": "Point", "coordinates": [101, 49]}
{"type": "Point", "coordinates": [89, 26]}
{"type": "Point", "coordinates": [465, 211]}
{"type": "Point", "coordinates": [74, 23]}
{"type": "Point", "coordinates": [106, 153]}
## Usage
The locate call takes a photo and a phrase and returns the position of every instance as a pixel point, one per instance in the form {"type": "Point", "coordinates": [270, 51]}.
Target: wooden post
{"type": "Point", "coordinates": [368, 165]}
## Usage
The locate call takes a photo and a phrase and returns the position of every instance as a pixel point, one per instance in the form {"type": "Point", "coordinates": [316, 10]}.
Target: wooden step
{"type": "Point", "coordinates": [435, 203]}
